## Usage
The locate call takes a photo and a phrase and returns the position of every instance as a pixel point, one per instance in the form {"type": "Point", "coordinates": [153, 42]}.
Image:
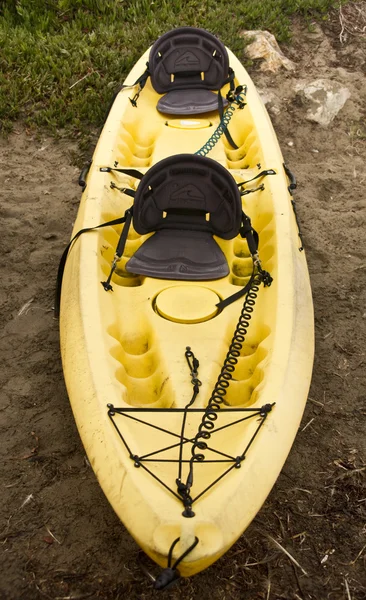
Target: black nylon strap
{"type": "Point", "coordinates": [120, 248]}
{"type": "Point", "coordinates": [141, 82]}
{"type": "Point", "coordinates": [221, 114]}
{"type": "Point", "coordinates": [230, 299]}
{"type": "Point", "coordinates": [261, 174]}
{"type": "Point", "coordinates": [260, 188]}
{"type": "Point", "coordinates": [122, 240]}
{"type": "Point", "coordinates": [231, 94]}
{"type": "Point", "coordinates": [131, 172]}
{"type": "Point", "coordinates": [65, 253]}
{"type": "Point", "coordinates": [250, 234]}
{"type": "Point", "coordinates": [143, 77]}
{"type": "Point", "coordinates": [130, 193]}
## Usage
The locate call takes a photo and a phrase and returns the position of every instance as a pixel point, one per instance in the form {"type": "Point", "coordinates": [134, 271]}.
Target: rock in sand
{"type": "Point", "coordinates": [326, 98]}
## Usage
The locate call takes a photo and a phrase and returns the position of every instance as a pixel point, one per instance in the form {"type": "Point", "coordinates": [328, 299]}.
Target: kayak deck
{"type": "Point", "coordinates": [141, 345]}
{"type": "Point", "coordinates": [126, 347]}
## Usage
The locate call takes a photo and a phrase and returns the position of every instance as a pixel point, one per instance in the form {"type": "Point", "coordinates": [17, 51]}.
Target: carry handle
{"type": "Point", "coordinates": [291, 177]}
{"type": "Point", "coordinates": [83, 174]}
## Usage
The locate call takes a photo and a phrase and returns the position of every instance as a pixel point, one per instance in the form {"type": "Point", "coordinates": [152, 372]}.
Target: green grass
{"type": "Point", "coordinates": [47, 46]}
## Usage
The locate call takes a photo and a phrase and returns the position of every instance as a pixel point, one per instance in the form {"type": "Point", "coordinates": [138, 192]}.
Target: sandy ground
{"type": "Point", "coordinates": [59, 537]}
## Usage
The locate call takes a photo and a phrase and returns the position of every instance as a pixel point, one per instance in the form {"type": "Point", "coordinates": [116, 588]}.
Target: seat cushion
{"type": "Point", "coordinates": [188, 102]}
{"type": "Point", "coordinates": [180, 255]}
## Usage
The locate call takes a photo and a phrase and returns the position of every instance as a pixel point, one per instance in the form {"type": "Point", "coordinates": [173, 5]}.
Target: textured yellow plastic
{"type": "Point", "coordinates": [127, 348]}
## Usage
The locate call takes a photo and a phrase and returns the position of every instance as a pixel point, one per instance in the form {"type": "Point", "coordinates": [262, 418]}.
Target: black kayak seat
{"type": "Point", "coordinates": [186, 200]}
{"type": "Point", "coordinates": [188, 64]}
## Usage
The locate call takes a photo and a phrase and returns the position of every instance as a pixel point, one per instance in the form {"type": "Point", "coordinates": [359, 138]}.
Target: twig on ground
{"type": "Point", "coordinates": [347, 589]}
{"type": "Point", "coordinates": [27, 500]}
{"type": "Point", "coordinates": [307, 425]}
{"type": "Point", "coordinates": [82, 79]}
{"type": "Point", "coordinates": [25, 308]}
{"type": "Point", "coordinates": [341, 21]}
{"type": "Point", "coordinates": [281, 525]}
{"type": "Point", "coordinates": [287, 553]}
{"type": "Point", "coordinates": [268, 590]}
{"type": "Point", "coordinates": [53, 536]}
{"type": "Point", "coordinates": [298, 584]}
{"type": "Point", "coordinates": [358, 555]}
{"type": "Point", "coordinates": [303, 490]}
{"type": "Point", "coordinates": [316, 401]}
{"type": "Point", "coordinates": [352, 19]}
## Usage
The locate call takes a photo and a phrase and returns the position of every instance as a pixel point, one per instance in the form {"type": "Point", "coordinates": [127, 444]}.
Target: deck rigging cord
{"type": "Point", "coordinates": [206, 427]}
{"type": "Point", "coordinates": [170, 574]}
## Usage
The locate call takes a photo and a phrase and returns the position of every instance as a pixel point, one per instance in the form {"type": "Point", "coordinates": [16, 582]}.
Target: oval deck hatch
{"type": "Point", "coordinates": [187, 304]}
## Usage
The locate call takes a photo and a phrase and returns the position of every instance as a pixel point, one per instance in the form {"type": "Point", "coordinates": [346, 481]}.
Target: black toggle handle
{"type": "Point", "coordinates": [292, 178]}
{"type": "Point", "coordinates": [83, 174]}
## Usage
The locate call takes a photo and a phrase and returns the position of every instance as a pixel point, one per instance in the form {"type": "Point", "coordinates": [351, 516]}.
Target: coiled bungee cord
{"type": "Point", "coordinates": [236, 101]}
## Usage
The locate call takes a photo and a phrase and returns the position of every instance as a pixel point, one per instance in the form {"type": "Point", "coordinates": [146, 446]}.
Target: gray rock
{"type": "Point", "coordinates": [325, 98]}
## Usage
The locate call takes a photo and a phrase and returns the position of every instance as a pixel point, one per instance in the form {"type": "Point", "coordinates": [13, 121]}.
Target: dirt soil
{"type": "Point", "coordinates": [59, 536]}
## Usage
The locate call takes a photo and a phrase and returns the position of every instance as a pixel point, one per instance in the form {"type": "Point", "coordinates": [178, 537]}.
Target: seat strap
{"type": "Point", "coordinates": [230, 96]}
{"type": "Point", "coordinates": [131, 172]}
{"type": "Point", "coordinates": [250, 234]}
{"type": "Point", "coordinates": [120, 248]}
{"type": "Point", "coordinates": [61, 267]}
{"type": "Point", "coordinates": [246, 231]}
{"type": "Point", "coordinates": [230, 299]}
{"type": "Point", "coordinates": [141, 82]}
{"type": "Point", "coordinates": [261, 174]}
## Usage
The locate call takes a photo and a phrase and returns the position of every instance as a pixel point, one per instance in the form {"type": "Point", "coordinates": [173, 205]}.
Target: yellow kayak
{"type": "Point", "coordinates": [187, 323]}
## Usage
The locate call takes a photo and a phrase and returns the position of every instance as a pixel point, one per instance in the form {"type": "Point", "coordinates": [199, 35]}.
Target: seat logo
{"type": "Point", "coordinates": [187, 193]}
{"type": "Point", "coordinates": [188, 59]}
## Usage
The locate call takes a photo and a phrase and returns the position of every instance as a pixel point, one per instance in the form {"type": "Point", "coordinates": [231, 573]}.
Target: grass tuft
{"type": "Point", "coordinates": [61, 60]}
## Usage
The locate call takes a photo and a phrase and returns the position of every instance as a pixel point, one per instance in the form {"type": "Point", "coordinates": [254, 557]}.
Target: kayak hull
{"type": "Point", "coordinates": [118, 350]}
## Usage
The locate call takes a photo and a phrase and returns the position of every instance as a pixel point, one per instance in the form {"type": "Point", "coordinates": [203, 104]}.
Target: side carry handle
{"type": "Point", "coordinates": [291, 187]}
{"type": "Point", "coordinates": [291, 177]}
{"type": "Point", "coordinates": [83, 174]}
